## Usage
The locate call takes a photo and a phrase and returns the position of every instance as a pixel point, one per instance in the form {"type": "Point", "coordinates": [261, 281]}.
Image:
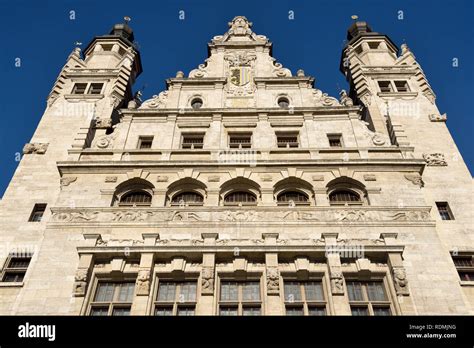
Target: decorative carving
{"type": "Point", "coordinates": [318, 177]}
{"type": "Point", "coordinates": [415, 179]}
{"type": "Point", "coordinates": [207, 280]}
{"type": "Point", "coordinates": [438, 118]}
{"type": "Point", "coordinates": [400, 280]}
{"type": "Point", "coordinates": [118, 242]}
{"type": "Point", "coordinates": [300, 73]}
{"type": "Point", "coordinates": [35, 148]}
{"type": "Point", "coordinates": [127, 216]}
{"type": "Point", "coordinates": [184, 216]}
{"type": "Point", "coordinates": [323, 99]}
{"type": "Point", "coordinates": [110, 179]}
{"type": "Point", "coordinates": [200, 71]}
{"type": "Point", "coordinates": [240, 59]}
{"type": "Point", "coordinates": [80, 282]}
{"type": "Point", "coordinates": [156, 101]}
{"type": "Point", "coordinates": [143, 282]}
{"type": "Point", "coordinates": [337, 282]}
{"type": "Point", "coordinates": [266, 177]}
{"type": "Point", "coordinates": [179, 74]}
{"type": "Point", "coordinates": [366, 99]}
{"type": "Point", "coordinates": [370, 177]}
{"type": "Point", "coordinates": [102, 123]}
{"type": "Point", "coordinates": [273, 281]}
{"type": "Point", "coordinates": [75, 216]}
{"type": "Point", "coordinates": [246, 215]}
{"type": "Point", "coordinates": [67, 181]}
{"type": "Point", "coordinates": [214, 178]}
{"type": "Point", "coordinates": [377, 139]}
{"type": "Point", "coordinates": [345, 99]}
{"type": "Point", "coordinates": [240, 26]}
{"type": "Point", "coordinates": [355, 215]}
{"type": "Point", "coordinates": [162, 179]}
{"type": "Point", "coordinates": [104, 141]}
{"type": "Point", "coordinates": [435, 159]}
{"type": "Point", "coordinates": [279, 70]}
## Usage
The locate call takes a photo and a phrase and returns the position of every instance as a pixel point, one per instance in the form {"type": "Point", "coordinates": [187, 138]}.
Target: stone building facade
{"type": "Point", "coordinates": [240, 189]}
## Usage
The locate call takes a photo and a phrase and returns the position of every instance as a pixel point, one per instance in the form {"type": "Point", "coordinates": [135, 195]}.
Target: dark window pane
{"type": "Point", "coordinates": [79, 88]}
{"type": "Point", "coordinates": [121, 311]}
{"type": "Point", "coordinates": [240, 141]}
{"type": "Point", "coordinates": [292, 291]}
{"type": "Point", "coordinates": [463, 262]}
{"type": "Point", "coordinates": [229, 291]}
{"type": "Point", "coordinates": [444, 211]}
{"type": "Point", "coordinates": [99, 311]}
{"type": "Point", "coordinates": [195, 141]}
{"type": "Point", "coordinates": [376, 291]}
{"type": "Point", "coordinates": [343, 196]}
{"type": "Point", "coordinates": [188, 198]}
{"type": "Point", "coordinates": [105, 292]}
{"type": "Point", "coordinates": [287, 141]}
{"type": "Point", "coordinates": [13, 277]}
{"type": "Point", "coordinates": [188, 292]}
{"type": "Point", "coordinates": [96, 88]}
{"type": "Point", "coordinates": [314, 291]}
{"type": "Point", "coordinates": [359, 311]}
{"type": "Point", "coordinates": [354, 291]}
{"type": "Point", "coordinates": [164, 311]}
{"type": "Point", "coordinates": [469, 276]}
{"type": "Point", "coordinates": [240, 197]}
{"type": "Point", "coordinates": [292, 196]}
{"type": "Point", "coordinates": [167, 291]}
{"type": "Point", "coordinates": [385, 86]}
{"type": "Point", "coordinates": [19, 262]}
{"type": "Point", "coordinates": [185, 311]}
{"type": "Point", "coordinates": [37, 213]}
{"type": "Point", "coordinates": [251, 311]}
{"type": "Point", "coordinates": [125, 292]}
{"type": "Point", "coordinates": [382, 311]}
{"type": "Point", "coordinates": [136, 198]}
{"type": "Point", "coordinates": [251, 291]}
{"type": "Point", "coordinates": [294, 311]}
{"type": "Point", "coordinates": [228, 311]}
{"type": "Point", "coordinates": [316, 311]}
{"type": "Point", "coordinates": [402, 86]}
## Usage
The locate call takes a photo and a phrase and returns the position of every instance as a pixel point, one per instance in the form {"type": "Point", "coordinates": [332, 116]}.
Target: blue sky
{"type": "Point", "coordinates": [42, 34]}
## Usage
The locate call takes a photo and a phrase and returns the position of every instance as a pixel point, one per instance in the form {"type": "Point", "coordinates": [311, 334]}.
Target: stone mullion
{"type": "Point", "coordinates": [273, 303]}
{"type": "Point", "coordinates": [207, 288]}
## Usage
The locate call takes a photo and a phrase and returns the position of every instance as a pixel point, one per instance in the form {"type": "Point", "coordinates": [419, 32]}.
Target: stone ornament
{"type": "Point", "coordinates": [345, 99]}
{"type": "Point", "coordinates": [67, 181]}
{"type": "Point", "coordinates": [273, 281]}
{"type": "Point", "coordinates": [35, 148]}
{"type": "Point", "coordinates": [102, 123]}
{"type": "Point", "coordinates": [156, 102]}
{"type": "Point", "coordinates": [401, 281]}
{"type": "Point", "coordinates": [438, 118]}
{"type": "Point", "coordinates": [207, 281]}
{"type": "Point", "coordinates": [110, 179]}
{"type": "Point", "coordinates": [415, 179]}
{"type": "Point", "coordinates": [337, 282]}
{"type": "Point", "coordinates": [143, 282]}
{"type": "Point", "coordinates": [80, 282]}
{"type": "Point", "coordinates": [435, 159]}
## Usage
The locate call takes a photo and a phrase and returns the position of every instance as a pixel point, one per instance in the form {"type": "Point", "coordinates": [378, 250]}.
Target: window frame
{"type": "Point", "coordinates": [303, 302]}
{"type": "Point", "coordinates": [335, 137]}
{"type": "Point", "coordinates": [253, 203]}
{"type": "Point", "coordinates": [300, 203]}
{"type": "Point", "coordinates": [289, 144]}
{"type": "Point", "coordinates": [444, 205]}
{"type": "Point", "coordinates": [240, 134]}
{"type": "Point", "coordinates": [8, 269]}
{"type": "Point", "coordinates": [111, 305]}
{"type": "Point", "coordinates": [192, 135]}
{"type": "Point", "coordinates": [198, 203]}
{"type": "Point", "coordinates": [74, 88]}
{"type": "Point", "coordinates": [464, 269]}
{"type": "Point", "coordinates": [134, 204]}
{"type": "Point", "coordinates": [88, 88]}
{"type": "Point", "coordinates": [175, 304]}
{"type": "Point", "coordinates": [240, 303]}
{"type": "Point", "coordinates": [145, 138]}
{"type": "Point", "coordinates": [36, 210]}
{"type": "Point", "coordinates": [366, 302]}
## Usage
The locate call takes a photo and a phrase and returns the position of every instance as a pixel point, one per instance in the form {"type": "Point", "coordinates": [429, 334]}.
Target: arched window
{"type": "Point", "coordinates": [344, 197]}
{"type": "Point", "coordinates": [289, 197]}
{"type": "Point", "coordinates": [187, 198]}
{"type": "Point", "coordinates": [240, 198]}
{"type": "Point", "coordinates": [135, 198]}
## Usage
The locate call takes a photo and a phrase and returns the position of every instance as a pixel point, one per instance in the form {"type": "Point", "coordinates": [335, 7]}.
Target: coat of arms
{"type": "Point", "coordinates": [240, 76]}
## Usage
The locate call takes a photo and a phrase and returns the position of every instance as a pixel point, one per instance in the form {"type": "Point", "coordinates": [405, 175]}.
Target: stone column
{"type": "Point", "coordinates": [272, 278]}
{"type": "Point", "coordinates": [205, 305]}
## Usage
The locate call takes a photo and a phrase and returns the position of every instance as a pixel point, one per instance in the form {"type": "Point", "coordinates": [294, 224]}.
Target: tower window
{"type": "Point", "coordinates": [402, 86]}
{"type": "Point", "coordinates": [335, 140]}
{"type": "Point", "coordinates": [145, 142]}
{"type": "Point", "coordinates": [15, 268]}
{"type": "Point", "coordinates": [192, 141]}
{"type": "Point", "coordinates": [283, 102]}
{"type": "Point", "coordinates": [240, 141]}
{"type": "Point", "coordinates": [79, 88]}
{"type": "Point", "coordinates": [196, 103]}
{"type": "Point", "coordinates": [285, 140]}
{"type": "Point", "coordinates": [444, 211]}
{"type": "Point", "coordinates": [465, 266]}
{"type": "Point", "coordinates": [96, 88]}
{"type": "Point", "coordinates": [38, 212]}
{"type": "Point", "coordinates": [385, 86]}
{"type": "Point", "coordinates": [374, 45]}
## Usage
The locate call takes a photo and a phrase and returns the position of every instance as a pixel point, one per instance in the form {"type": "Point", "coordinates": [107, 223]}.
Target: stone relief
{"type": "Point", "coordinates": [337, 282]}
{"type": "Point", "coordinates": [322, 99]}
{"type": "Point", "coordinates": [340, 215]}
{"type": "Point", "coordinates": [200, 71]}
{"type": "Point", "coordinates": [377, 139]}
{"type": "Point", "coordinates": [435, 159]}
{"type": "Point", "coordinates": [143, 282]}
{"type": "Point", "coordinates": [278, 69]}
{"type": "Point", "coordinates": [415, 179]}
{"type": "Point", "coordinates": [67, 181]}
{"type": "Point", "coordinates": [80, 281]}
{"type": "Point", "coordinates": [207, 280]}
{"type": "Point", "coordinates": [370, 177]}
{"type": "Point", "coordinates": [345, 99]}
{"type": "Point", "coordinates": [35, 148]}
{"type": "Point", "coordinates": [273, 281]}
{"type": "Point", "coordinates": [102, 123]}
{"type": "Point", "coordinates": [111, 179]}
{"type": "Point", "coordinates": [118, 242]}
{"type": "Point", "coordinates": [400, 280]}
{"type": "Point", "coordinates": [438, 118]}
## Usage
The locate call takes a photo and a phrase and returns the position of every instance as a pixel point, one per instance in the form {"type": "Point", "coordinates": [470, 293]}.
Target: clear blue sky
{"type": "Point", "coordinates": [42, 35]}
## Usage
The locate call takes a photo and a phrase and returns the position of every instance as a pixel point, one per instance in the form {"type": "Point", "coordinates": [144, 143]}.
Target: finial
{"type": "Point", "coordinates": [300, 72]}
{"type": "Point", "coordinates": [179, 74]}
{"type": "Point", "coordinates": [77, 43]}
{"type": "Point", "coordinates": [355, 17]}
{"type": "Point", "coordinates": [127, 19]}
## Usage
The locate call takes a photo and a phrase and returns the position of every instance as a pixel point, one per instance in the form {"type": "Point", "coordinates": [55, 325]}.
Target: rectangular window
{"type": "Point", "coordinates": [95, 88]}
{"type": "Point", "coordinates": [465, 266]}
{"type": "Point", "coordinates": [402, 86]}
{"type": "Point", "coordinates": [335, 140]}
{"type": "Point", "coordinates": [385, 86]}
{"type": "Point", "coordinates": [304, 298]}
{"type": "Point", "coordinates": [79, 88]}
{"type": "Point", "coordinates": [287, 140]}
{"type": "Point", "coordinates": [240, 141]}
{"type": "Point", "coordinates": [145, 142]}
{"type": "Point", "coordinates": [374, 45]}
{"type": "Point", "coordinates": [444, 211]}
{"type": "Point", "coordinates": [240, 298]}
{"type": "Point", "coordinates": [368, 298]}
{"type": "Point", "coordinates": [176, 298]}
{"type": "Point", "coordinates": [15, 268]}
{"type": "Point", "coordinates": [192, 141]}
{"type": "Point", "coordinates": [113, 298]}
{"type": "Point", "coordinates": [38, 212]}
